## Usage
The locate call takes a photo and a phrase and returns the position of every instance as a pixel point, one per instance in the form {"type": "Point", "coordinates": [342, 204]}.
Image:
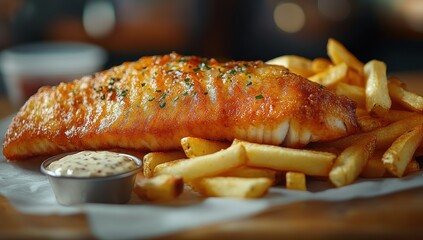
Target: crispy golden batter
{"type": "Point", "coordinates": [152, 103]}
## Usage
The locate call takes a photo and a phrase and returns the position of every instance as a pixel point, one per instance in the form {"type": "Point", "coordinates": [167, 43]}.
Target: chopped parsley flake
{"type": "Point", "coordinates": [259, 96]}
{"type": "Point", "coordinates": [162, 97]}
{"type": "Point", "coordinates": [249, 83]}
{"type": "Point", "coordinates": [100, 89]}
{"type": "Point", "coordinates": [162, 105]}
{"type": "Point", "coordinates": [123, 93]}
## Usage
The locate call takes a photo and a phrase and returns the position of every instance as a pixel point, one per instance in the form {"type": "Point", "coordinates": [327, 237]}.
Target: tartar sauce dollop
{"type": "Point", "coordinates": [92, 164]}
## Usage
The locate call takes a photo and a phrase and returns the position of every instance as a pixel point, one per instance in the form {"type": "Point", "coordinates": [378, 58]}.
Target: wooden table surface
{"type": "Point", "coordinates": [394, 216]}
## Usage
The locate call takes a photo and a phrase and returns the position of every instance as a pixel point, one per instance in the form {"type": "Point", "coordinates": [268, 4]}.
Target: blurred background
{"type": "Point", "coordinates": [389, 30]}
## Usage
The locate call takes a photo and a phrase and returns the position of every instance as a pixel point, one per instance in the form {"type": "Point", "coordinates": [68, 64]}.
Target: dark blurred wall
{"type": "Point", "coordinates": [230, 29]}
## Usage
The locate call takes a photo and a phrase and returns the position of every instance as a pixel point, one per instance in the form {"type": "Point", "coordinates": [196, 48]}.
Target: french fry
{"type": "Point", "coordinates": [310, 162]}
{"type": "Point", "coordinates": [296, 64]}
{"type": "Point", "coordinates": [204, 166]}
{"type": "Point", "coordinates": [369, 123]}
{"type": "Point", "coordinates": [339, 54]}
{"type": "Point", "coordinates": [252, 172]}
{"type": "Point", "coordinates": [374, 167]}
{"type": "Point", "coordinates": [194, 147]}
{"type": "Point", "coordinates": [396, 115]}
{"type": "Point", "coordinates": [320, 64]}
{"type": "Point", "coordinates": [296, 181]}
{"type": "Point", "coordinates": [349, 164]}
{"type": "Point", "coordinates": [232, 187]}
{"type": "Point", "coordinates": [402, 150]}
{"type": "Point", "coordinates": [409, 100]}
{"type": "Point", "coordinates": [160, 188]}
{"type": "Point", "coordinates": [354, 78]}
{"type": "Point", "coordinates": [331, 76]}
{"type": "Point", "coordinates": [355, 93]}
{"type": "Point", "coordinates": [377, 94]}
{"type": "Point", "coordinates": [151, 160]}
{"type": "Point", "coordinates": [412, 166]}
{"type": "Point", "coordinates": [385, 135]}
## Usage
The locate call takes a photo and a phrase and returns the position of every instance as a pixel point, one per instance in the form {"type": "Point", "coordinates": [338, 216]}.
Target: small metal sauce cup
{"type": "Point", "coordinates": [104, 189]}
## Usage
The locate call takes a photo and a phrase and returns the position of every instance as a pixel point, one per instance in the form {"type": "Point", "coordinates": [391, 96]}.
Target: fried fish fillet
{"type": "Point", "coordinates": [152, 103]}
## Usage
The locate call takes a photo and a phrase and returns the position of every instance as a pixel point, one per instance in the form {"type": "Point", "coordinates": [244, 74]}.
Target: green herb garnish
{"type": "Point", "coordinates": [259, 96]}
{"type": "Point", "coordinates": [162, 96]}
{"type": "Point", "coordinates": [123, 93]}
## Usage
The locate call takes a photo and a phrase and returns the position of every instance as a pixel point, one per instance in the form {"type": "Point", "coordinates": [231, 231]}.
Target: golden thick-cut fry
{"type": "Point", "coordinates": [310, 162]}
{"type": "Point", "coordinates": [377, 94]}
{"type": "Point", "coordinates": [252, 172]}
{"type": "Point", "coordinates": [397, 157]}
{"type": "Point", "coordinates": [296, 64]}
{"type": "Point", "coordinates": [204, 166]}
{"type": "Point", "coordinates": [412, 166]}
{"type": "Point", "coordinates": [232, 187]}
{"type": "Point", "coordinates": [296, 181]}
{"type": "Point", "coordinates": [339, 54]}
{"type": "Point", "coordinates": [407, 99]}
{"type": "Point", "coordinates": [369, 123]}
{"type": "Point", "coordinates": [374, 167]}
{"type": "Point", "coordinates": [396, 115]}
{"type": "Point", "coordinates": [151, 160]}
{"type": "Point", "coordinates": [160, 188]}
{"type": "Point", "coordinates": [355, 93]}
{"type": "Point", "coordinates": [349, 164]}
{"type": "Point", "coordinates": [194, 147]}
{"type": "Point", "coordinates": [320, 64]}
{"type": "Point", "coordinates": [385, 135]}
{"type": "Point", "coordinates": [331, 76]}
{"type": "Point", "coordinates": [355, 78]}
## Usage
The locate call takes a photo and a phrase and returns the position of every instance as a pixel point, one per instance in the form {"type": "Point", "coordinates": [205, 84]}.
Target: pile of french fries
{"type": "Point", "coordinates": [390, 117]}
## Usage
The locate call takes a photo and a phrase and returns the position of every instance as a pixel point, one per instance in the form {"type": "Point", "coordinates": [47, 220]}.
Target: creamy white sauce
{"type": "Point", "coordinates": [92, 164]}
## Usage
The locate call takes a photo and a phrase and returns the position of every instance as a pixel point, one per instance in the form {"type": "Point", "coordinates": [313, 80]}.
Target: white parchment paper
{"type": "Point", "coordinates": [29, 191]}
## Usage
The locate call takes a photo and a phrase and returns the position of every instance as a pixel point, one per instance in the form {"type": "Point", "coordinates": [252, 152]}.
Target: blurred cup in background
{"type": "Point", "coordinates": [26, 68]}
